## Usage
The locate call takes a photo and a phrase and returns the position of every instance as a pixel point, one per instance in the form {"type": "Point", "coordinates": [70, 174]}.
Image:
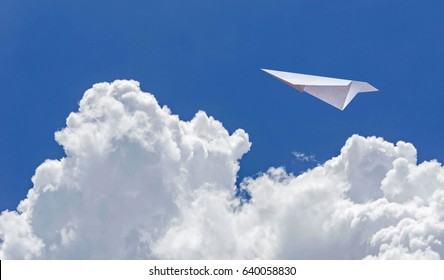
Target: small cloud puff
{"type": "Point", "coordinates": [303, 157]}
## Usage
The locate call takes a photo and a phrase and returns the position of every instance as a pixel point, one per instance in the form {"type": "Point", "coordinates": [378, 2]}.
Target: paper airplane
{"type": "Point", "coordinates": [336, 92]}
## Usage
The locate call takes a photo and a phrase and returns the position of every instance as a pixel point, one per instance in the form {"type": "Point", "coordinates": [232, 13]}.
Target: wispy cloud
{"type": "Point", "coordinates": [303, 157]}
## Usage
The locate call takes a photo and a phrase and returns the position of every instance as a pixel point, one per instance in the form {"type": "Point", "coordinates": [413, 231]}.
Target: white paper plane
{"type": "Point", "coordinates": [336, 92]}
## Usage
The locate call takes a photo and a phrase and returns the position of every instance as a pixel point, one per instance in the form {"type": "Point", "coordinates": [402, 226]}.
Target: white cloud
{"type": "Point", "coordinates": [129, 164]}
{"type": "Point", "coordinates": [137, 182]}
{"type": "Point", "coordinates": [303, 157]}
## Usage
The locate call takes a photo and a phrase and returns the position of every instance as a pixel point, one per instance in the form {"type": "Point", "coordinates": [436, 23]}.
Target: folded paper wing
{"type": "Point", "coordinates": [336, 92]}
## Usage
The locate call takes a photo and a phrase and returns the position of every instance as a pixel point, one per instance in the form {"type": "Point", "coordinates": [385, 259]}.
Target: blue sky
{"type": "Point", "coordinates": [206, 55]}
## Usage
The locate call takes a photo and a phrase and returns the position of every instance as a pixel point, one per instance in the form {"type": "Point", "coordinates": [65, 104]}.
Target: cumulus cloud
{"type": "Point", "coordinates": [129, 164]}
{"type": "Point", "coordinates": [138, 182]}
